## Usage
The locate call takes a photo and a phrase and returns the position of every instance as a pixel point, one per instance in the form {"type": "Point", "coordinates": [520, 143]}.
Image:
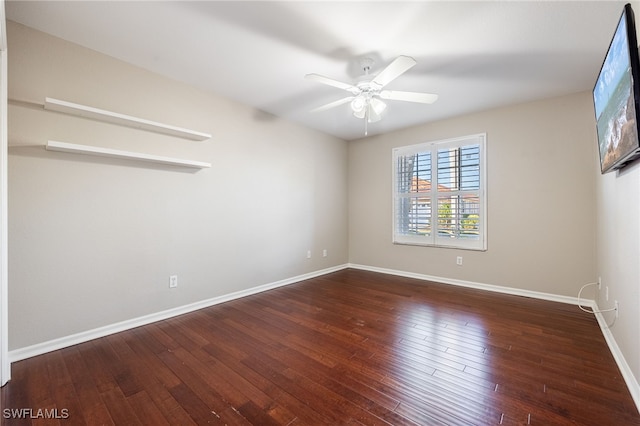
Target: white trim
{"type": "Point", "coordinates": [625, 369]}
{"type": "Point", "coordinates": [67, 107]}
{"type": "Point", "coordinates": [127, 155]}
{"type": "Point", "coordinates": [472, 284]}
{"type": "Point", "coordinates": [3, 30]}
{"type": "Point", "coordinates": [5, 363]}
{"type": "Point", "coordinates": [84, 336]}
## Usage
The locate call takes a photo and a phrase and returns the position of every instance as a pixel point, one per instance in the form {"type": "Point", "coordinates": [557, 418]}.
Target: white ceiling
{"type": "Point", "coordinates": [475, 55]}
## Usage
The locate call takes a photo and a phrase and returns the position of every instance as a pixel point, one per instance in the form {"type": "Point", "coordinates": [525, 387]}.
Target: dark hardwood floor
{"type": "Point", "coordinates": [348, 348]}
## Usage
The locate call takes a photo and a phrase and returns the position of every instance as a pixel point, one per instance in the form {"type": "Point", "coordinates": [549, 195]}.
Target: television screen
{"type": "Point", "coordinates": [615, 97]}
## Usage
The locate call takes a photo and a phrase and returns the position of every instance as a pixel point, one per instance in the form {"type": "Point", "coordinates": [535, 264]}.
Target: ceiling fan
{"type": "Point", "coordinates": [367, 94]}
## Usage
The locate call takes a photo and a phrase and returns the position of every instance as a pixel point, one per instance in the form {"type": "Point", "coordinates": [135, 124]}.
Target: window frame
{"type": "Point", "coordinates": [435, 239]}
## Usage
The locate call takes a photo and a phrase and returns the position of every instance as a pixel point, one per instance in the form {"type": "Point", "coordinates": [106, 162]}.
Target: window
{"type": "Point", "coordinates": [439, 193]}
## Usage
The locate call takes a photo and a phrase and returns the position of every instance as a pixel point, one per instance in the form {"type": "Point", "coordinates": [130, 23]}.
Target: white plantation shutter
{"type": "Point", "coordinates": [413, 203]}
{"type": "Point", "coordinates": [439, 194]}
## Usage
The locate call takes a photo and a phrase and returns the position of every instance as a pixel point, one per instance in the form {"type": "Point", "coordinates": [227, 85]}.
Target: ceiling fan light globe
{"type": "Point", "coordinates": [373, 116]}
{"type": "Point", "coordinates": [358, 104]}
{"type": "Point", "coordinates": [378, 106]}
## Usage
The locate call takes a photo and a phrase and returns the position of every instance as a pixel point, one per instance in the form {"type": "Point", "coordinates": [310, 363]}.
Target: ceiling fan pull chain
{"type": "Point", "coordinates": [366, 121]}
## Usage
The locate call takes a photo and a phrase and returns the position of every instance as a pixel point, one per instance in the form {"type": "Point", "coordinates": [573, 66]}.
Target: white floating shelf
{"type": "Point", "coordinates": [114, 153]}
{"type": "Point", "coordinates": [122, 119]}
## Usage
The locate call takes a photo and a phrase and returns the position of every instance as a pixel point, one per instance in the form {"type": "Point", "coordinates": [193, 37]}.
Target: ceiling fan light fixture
{"type": "Point", "coordinates": [358, 105]}
{"type": "Point", "coordinates": [378, 106]}
{"type": "Point", "coordinates": [360, 114]}
{"type": "Point", "coordinates": [372, 117]}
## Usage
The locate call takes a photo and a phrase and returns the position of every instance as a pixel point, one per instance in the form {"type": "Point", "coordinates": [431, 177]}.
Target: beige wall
{"type": "Point", "coordinates": [93, 241]}
{"type": "Point", "coordinates": [618, 251]}
{"type": "Point", "coordinates": [541, 199]}
{"type": "Point", "coordinates": [618, 210]}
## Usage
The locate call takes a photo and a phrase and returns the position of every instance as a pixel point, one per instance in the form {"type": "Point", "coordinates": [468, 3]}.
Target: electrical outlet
{"type": "Point", "coordinates": [173, 281]}
{"type": "Point", "coordinates": [599, 283]}
{"type": "Point", "coordinates": [606, 293]}
{"type": "Point", "coordinates": [617, 308]}
{"type": "Point", "coordinates": [459, 260]}
{"type": "Point", "coordinates": [308, 254]}
{"type": "Point", "coordinates": [324, 253]}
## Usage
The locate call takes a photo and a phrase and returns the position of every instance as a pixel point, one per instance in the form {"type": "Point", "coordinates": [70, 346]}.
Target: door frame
{"type": "Point", "coordinates": [5, 364]}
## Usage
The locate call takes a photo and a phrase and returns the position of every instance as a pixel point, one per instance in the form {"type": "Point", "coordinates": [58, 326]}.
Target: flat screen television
{"type": "Point", "coordinates": [615, 97]}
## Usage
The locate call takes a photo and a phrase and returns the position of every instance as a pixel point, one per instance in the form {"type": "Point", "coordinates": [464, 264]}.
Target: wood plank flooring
{"type": "Point", "coordinates": [348, 348]}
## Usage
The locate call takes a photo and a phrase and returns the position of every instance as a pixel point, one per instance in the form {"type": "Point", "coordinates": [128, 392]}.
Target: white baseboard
{"type": "Point", "coordinates": [85, 336]}
{"type": "Point", "coordinates": [471, 284]}
{"type": "Point", "coordinates": [625, 369]}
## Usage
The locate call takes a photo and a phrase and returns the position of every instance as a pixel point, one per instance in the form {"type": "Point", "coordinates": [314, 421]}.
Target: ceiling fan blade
{"type": "Point", "coordinates": [331, 82]}
{"type": "Point", "coordinates": [399, 66]}
{"type": "Point", "coordinates": [396, 95]}
{"type": "Point", "coordinates": [333, 104]}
